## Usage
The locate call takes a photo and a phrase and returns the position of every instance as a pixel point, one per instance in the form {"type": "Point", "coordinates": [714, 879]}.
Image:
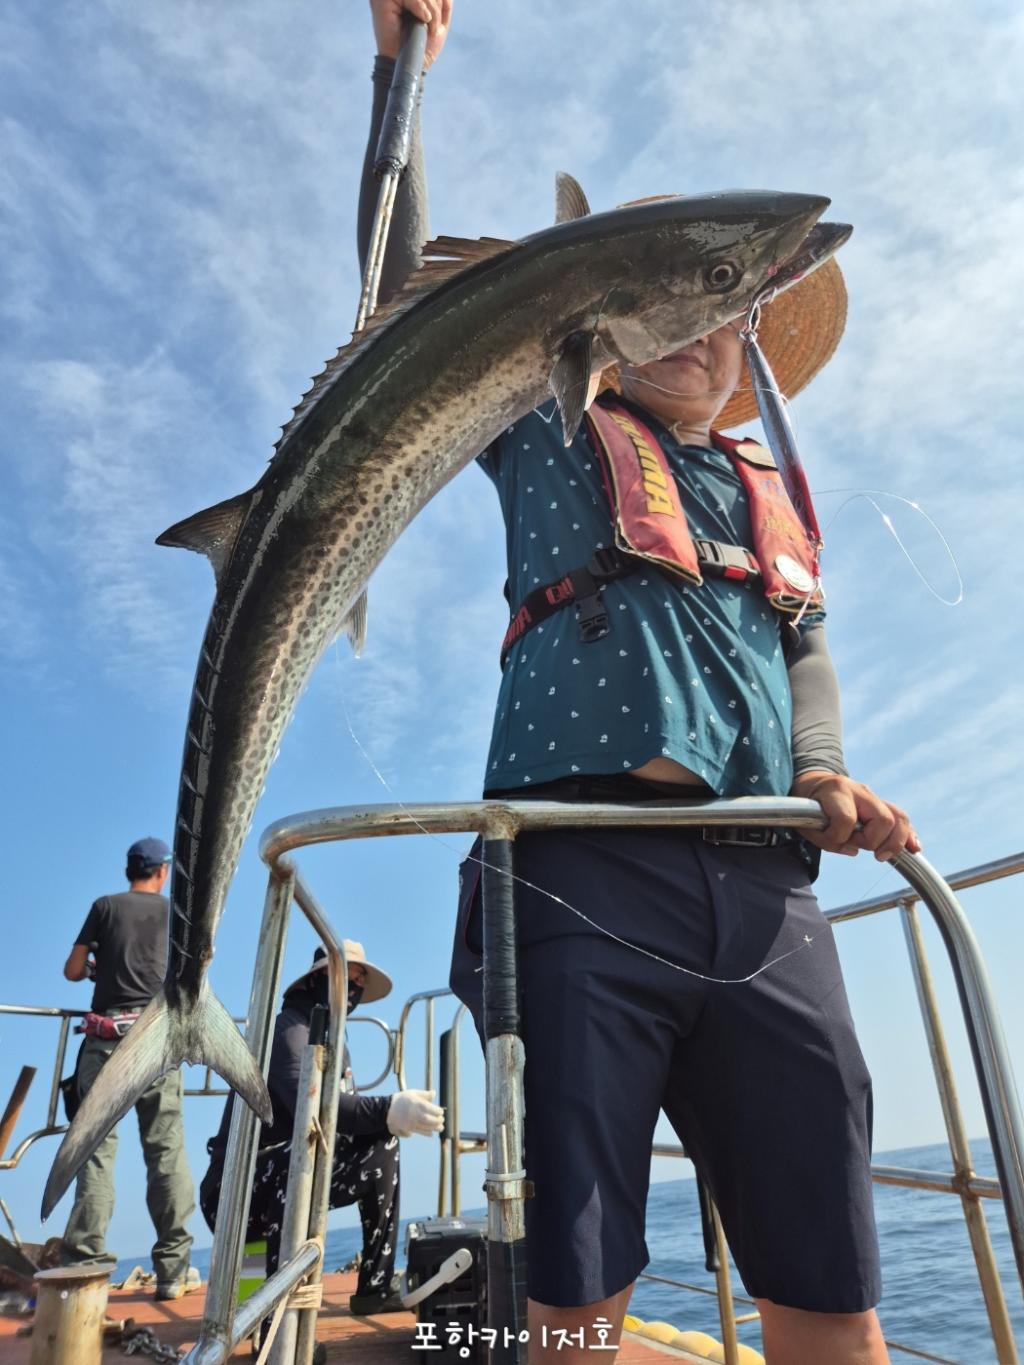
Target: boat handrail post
{"type": "Point", "coordinates": [505, 1181]}
{"type": "Point", "coordinates": [295, 1219]}
{"type": "Point", "coordinates": [455, 1092]}
{"type": "Point", "coordinates": [319, 1199]}
{"type": "Point", "coordinates": [214, 1343]}
{"type": "Point", "coordinates": [994, 1071]}
{"type": "Point", "coordinates": [723, 1287]}
{"type": "Point", "coordinates": [58, 1067]}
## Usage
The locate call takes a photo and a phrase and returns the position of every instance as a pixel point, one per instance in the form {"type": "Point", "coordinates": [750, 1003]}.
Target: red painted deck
{"type": "Point", "coordinates": [356, 1341]}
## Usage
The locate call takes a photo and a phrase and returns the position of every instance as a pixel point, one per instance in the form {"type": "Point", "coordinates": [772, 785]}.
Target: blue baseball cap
{"type": "Point", "coordinates": [149, 852]}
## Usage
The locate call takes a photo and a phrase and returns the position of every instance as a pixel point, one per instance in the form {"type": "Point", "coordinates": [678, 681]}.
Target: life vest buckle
{"type": "Point", "coordinates": [726, 561]}
{"type": "Point", "coordinates": [592, 618]}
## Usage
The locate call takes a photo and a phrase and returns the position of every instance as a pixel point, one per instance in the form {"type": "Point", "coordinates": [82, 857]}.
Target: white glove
{"type": "Point", "coordinates": [412, 1111]}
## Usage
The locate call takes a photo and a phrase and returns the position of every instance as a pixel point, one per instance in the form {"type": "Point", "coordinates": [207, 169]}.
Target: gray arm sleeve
{"type": "Point", "coordinates": [410, 226]}
{"type": "Point", "coordinates": [817, 727]}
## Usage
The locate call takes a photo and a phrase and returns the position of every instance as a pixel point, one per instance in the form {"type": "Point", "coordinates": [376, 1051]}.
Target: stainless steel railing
{"type": "Point", "coordinates": [962, 1181]}
{"type": "Point", "coordinates": [297, 1280]}
{"type": "Point", "coordinates": [503, 821]}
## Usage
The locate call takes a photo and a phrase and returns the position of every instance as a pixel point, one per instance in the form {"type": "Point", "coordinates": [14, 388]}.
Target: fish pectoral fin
{"type": "Point", "coordinates": [159, 1041]}
{"type": "Point", "coordinates": [354, 625]}
{"type": "Point", "coordinates": [211, 532]}
{"type": "Point", "coordinates": [570, 201]}
{"type": "Point", "coordinates": [570, 381]}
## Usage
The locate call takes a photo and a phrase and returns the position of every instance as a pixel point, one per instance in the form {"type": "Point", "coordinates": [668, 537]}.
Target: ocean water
{"type": "Point", "coordinates": [932, 1300]}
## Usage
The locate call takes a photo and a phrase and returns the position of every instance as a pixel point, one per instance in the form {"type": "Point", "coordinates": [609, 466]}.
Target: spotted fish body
{"type": "Point", "coordinates": [482, 334]}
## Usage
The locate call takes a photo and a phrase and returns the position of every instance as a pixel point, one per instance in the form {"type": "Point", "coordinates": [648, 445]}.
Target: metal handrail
{"type": "Point", "coordinates": [221, 1330]}
{"type": "Point", "coordinates": [52, 1128]}
{"type": "Point", "coordinates": [389, 1065]}
{"type": "Point", "coordinates": [503, 821]}
{"type": "Point", "coordinates": [963, 1181]}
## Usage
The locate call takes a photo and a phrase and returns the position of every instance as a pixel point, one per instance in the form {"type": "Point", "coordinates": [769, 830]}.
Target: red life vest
{"type": "Point", "coordinates": [650, 522]}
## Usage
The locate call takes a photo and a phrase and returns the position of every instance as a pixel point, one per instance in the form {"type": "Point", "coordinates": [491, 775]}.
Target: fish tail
{"type": "Point", "coordinates": [162, 1037]}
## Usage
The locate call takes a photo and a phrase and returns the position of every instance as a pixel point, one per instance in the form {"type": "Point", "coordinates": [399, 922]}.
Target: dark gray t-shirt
{"type": "Point", "coordinates": [130, 933]}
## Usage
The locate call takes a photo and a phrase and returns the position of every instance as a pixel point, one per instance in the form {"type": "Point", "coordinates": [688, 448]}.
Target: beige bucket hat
{"type": "Point", "coordinates": [378, 983]}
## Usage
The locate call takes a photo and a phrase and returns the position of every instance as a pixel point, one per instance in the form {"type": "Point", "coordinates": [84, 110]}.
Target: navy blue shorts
{"type": "Point", "coordinates": [763, 1081]}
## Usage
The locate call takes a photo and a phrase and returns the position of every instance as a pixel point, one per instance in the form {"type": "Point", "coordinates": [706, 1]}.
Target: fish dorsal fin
{"type": "Point", "coordinates": [464, 249]}
{"type": "Point", "coordinates": [570, 201]}
{"type": "Point", "coordinates": [442, 259]}
{"type": "Point", "coordinates": [211, 532]}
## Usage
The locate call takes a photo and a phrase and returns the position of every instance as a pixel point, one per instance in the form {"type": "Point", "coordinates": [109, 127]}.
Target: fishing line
{"type": "Point", "coordinates": [682, 393]}
{"type": "Point", "coordinates": [869, 495]}
{"type": "Point", "coordinates": [808, 939]}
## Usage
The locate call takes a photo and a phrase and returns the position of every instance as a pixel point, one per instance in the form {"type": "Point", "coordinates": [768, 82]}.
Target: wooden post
{"type": "Point", "coordinates": [10, 1118]}
{"type": "Point", "coordinates": [70, 1307]}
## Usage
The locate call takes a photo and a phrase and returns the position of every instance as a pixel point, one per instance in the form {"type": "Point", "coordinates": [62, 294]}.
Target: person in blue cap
{"type": "Point", "coordinates": [122, 947]}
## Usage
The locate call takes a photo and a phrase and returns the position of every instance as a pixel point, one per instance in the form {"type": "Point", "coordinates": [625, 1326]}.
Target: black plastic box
{"type": "Point", "coordinates": [463, 1302]}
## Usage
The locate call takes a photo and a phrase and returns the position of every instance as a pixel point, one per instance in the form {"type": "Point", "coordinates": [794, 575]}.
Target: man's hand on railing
{"type": "Point", "coordinates": [413, 1111]}
{"type": "Point", "coordinates": [884, 829]}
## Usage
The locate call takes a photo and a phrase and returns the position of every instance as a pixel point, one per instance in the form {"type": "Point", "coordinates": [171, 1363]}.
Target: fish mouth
{"type": "Point", "coordinates": [801, 213]}
{"type": "Point", "coordinates": [820, 244]}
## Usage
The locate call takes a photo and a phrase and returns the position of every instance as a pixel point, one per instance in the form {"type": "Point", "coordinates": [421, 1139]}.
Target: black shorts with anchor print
{"type": "Point", "coordinates": [365, 1172]}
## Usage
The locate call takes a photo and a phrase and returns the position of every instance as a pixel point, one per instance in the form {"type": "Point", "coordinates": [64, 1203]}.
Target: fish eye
{"type": "Point", "coordinates": [721, 277]}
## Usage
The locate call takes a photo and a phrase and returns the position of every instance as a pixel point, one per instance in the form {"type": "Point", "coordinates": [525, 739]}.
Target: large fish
{"type": "Point", "coordinates": [480, 335]}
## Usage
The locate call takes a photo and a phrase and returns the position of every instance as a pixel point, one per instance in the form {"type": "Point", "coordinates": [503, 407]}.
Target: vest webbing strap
{"type": "Point", "coordinates": [583, 587]}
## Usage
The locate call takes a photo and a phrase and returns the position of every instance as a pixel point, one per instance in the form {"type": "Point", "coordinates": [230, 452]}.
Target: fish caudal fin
{"type": "Point", "coordinates": [160, 1040]}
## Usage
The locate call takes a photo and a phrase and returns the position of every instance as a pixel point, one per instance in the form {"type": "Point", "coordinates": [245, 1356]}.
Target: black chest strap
{"type": "Point", "coordinates": [583, 586]}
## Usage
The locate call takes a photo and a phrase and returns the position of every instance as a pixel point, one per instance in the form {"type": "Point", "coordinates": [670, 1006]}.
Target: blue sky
{"type": "Point", "coordinates": [177, 196]}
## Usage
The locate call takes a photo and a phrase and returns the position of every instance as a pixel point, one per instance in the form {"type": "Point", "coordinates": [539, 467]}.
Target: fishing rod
{"type": "Point", "coordinates": [506, 1180]}
{"type": "Point", "coordinates": [393, 155]}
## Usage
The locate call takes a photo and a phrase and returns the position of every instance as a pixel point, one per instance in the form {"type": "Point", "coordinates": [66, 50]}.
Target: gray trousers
{"type": "Point", "coordinates": [170, 1196]}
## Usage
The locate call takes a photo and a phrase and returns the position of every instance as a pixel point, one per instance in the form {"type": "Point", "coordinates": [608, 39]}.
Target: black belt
{"type": "Point", "coordinates": [739, 836]}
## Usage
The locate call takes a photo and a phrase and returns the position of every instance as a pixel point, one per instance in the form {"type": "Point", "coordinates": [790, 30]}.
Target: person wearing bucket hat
{"type": "Point", "coordinates": [365, 1169]}
{"type": "Point", "coordinates": [667, 640]}
{"type": "Point", "coordinates": [122, 947]}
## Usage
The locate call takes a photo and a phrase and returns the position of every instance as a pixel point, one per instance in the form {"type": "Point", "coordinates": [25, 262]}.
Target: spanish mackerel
{"type": "Point", "coordinates": [481, 334]}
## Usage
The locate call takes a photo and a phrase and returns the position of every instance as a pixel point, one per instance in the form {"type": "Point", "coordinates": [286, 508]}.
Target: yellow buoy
{"type": "Point", "coordinates": [658, 1331]}
{"type": "Point", "coordinates": [631, 1324]}
{"type": "Point", "coordinates": [699, 1342]}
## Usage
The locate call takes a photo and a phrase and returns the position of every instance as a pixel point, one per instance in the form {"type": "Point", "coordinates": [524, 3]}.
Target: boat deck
{"type": "Point", "coordinates": [356, 1341]}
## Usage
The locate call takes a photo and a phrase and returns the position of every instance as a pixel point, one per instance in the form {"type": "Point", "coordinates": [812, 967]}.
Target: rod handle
{"type": "Point", "coordinates": [396, 132]}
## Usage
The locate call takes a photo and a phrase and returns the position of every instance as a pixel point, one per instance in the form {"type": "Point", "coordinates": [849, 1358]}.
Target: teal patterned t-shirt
{"type": "Point", "coordinates": [696, 674]}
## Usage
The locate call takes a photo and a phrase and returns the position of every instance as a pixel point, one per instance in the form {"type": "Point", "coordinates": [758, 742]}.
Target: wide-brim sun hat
{"type": "Point", "coordinates": [798, 332]}
{"type": "Point", "coordinates": [378, 983]}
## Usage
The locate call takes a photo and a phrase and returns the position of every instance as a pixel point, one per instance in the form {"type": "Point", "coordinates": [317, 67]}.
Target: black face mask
{"type": "Point", "coordinates": [355, 994]}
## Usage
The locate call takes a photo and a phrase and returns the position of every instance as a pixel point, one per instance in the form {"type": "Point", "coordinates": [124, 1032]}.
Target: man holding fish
{"type": "Point", "coordinates": [689, 666]}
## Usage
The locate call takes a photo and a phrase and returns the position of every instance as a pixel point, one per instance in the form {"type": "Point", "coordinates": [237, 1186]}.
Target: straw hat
{"type": "Point", "coordinates": [798, 332]}
{"type": "Point", "coordinates": [378, 983]}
